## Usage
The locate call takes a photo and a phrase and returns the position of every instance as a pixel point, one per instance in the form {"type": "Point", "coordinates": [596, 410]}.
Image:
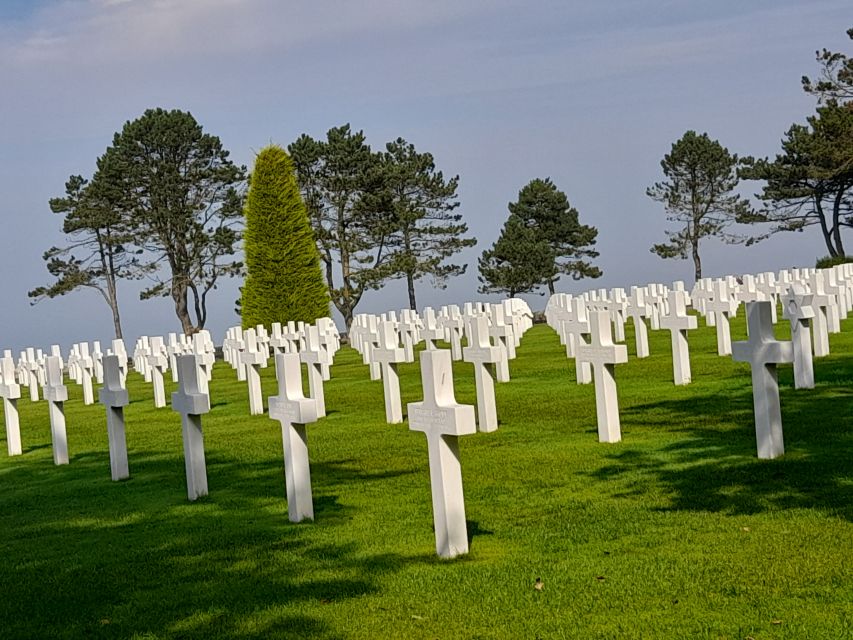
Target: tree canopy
{"type": "Point", "coordinates": [423, 230]}
{"type": "Point", "coordinates": [546, 211]}
{"type": "Point", "coordinates": [697, 193]}
{"type": "Point", "coordinates": [810, 182]}
{"type": "Point", "coordinates": [181, 196]}
{"type": "Point", "coordinates": [98, 254]}
{"type": "Point", "coordinates": [516, 261]}
{"type": "Point", "coordinates": [283, 277]}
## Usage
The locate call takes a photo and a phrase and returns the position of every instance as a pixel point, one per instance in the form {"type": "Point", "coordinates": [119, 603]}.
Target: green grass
{"type": "Point", "coordinates": [679, 531]}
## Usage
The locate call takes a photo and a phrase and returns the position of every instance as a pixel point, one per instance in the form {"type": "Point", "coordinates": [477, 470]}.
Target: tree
{"type": "Point", "coordinates": [810, 183]}
{"type": "Point", "coordinates": [546, 210]}
{"type": "Point", "coordinates": [697, 193]}
{"type": "Point", "coordinates": [283, 280]}
{"type": "Point", "coordinates": [181, 195]}
{"type": "Point", "coordinates": [96, 255]}
{"type": "Point", "coordinates": [341, 183]}
{"type": "Point", "coordinates": [517, 260]}
{"type": "Point", "coordinates": [422, 230]}
{"type": "Point", "coordinates": [835, 82]}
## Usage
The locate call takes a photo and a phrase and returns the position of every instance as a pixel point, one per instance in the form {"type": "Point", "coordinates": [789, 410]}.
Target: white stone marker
{"type": "Point", "coordinates": [191, 402]}
{"type": "Point", "coordinates": [443, 421]}
{"type": "Point", "coordinates": [315, 357]}
{"type": "Point", "coordinates": [823, 304]}
{"type": "Point", "coordinates": [763, 352]}
{"type": "Point", "coordinates": [389, 354]}
{"type": "Point", "coordinates": [723, 307]}
{"type": "Point", "coordinates": [114, 397]}
{"type": "Point", "coordinates": [87, 372]}
{"type": "Point", "coordinates": [157, 363]}
{"type": "Point", "coordinates": [797, 308]}
{"type": "Point", "coordinates": [638, 310]}
{"type": "Point", "coordinates": [293, 410]}
{"type": "Point", "coordinates": [602, 354]}
{"type": "Point", "coordinates": [483, 355]}
{"type": "Point", "coordinates": [10, 391]}
{"type": "Point", "coordinates": [678, 322]}
{"type": "Point", "coordinates": [56, 393]}
{"type": "Point", "coordinates": [251, 359]}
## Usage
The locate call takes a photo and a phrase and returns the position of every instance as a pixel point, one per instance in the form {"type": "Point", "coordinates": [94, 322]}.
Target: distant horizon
{"type": "Point", "coordinates": [590, 96]}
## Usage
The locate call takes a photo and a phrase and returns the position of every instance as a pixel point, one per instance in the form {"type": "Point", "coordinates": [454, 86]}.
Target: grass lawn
{"type": "Point", "coordinates": [679, 531]}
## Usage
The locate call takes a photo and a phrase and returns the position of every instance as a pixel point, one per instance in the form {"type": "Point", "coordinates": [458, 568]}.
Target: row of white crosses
{"type": "Point", "coordinates": [806, 295]}
{"type": "Point", "coordinates": [248, 352]}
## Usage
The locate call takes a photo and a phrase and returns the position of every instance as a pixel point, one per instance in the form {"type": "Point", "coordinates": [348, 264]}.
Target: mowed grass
{"type": "Point", "coordinates": [679, 531]}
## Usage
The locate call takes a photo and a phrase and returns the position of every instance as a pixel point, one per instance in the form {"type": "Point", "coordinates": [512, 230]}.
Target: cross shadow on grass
{"type": "Point", "coordinates": [104, 559]}
{"type": "Point", "coordinates": [713, 465]}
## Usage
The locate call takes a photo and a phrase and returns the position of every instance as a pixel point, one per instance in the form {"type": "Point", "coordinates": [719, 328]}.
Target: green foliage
{"type": "Point", "coordinates": [423, 231]}
{"type": "Point", "coordinates": [810, 182]}
{"type": "Point", "coordinates": [697, 194]}
{"type": "Point", "coordinates": [341, 183]}
{"type": "Point", "coordinates": [678, 531]}
{"type": "Point", "coordinates": [519, 261]}
{"type": "Point", "coordinates": [180, 194]}
{"type": "Point", "coordinates": [283, 277]}
{"type": "Point", "coordinates": [546, 210]}
{"type": "Point", "coordinates": [835, 82]}
{"type": "Point", "coordinates": [97, 254]}
{"type": "Point", "coordinates": [829, 261]}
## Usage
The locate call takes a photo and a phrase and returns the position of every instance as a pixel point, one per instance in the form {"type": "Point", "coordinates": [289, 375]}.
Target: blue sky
{"type": "Point", "coordinates": [590, 94]}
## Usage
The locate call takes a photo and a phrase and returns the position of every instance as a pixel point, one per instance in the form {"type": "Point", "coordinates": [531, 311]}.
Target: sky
{"type": "Point", "coordinates": [590, 94]}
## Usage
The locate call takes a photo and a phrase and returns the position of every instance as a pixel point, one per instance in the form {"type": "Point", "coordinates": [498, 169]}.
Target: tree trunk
{"type": "Point", "coordinates": [410, 280]}
{"type": "Point", "coordinates": [179, 295]}
{"type": "Point", "coordinates": [697, 262]}
{"type": "Point", "coordinates": [116, 320]}
{"type": "Point", "coordinates": [836, 222]}
{"type": "Point", "coordinates": [827, 235]}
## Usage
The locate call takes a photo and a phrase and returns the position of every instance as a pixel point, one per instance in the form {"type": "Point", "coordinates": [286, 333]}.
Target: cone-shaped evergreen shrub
{"type": "Point", "coordinates": [283, 280]}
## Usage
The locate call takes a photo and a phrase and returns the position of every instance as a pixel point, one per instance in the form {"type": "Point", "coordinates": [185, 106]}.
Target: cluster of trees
{"type": "Point", "coordinates": [328, 220]}
{"type": "Point", "coordinates": [165, 204]}
{"type": "Point", "coordinates": [324, 221]}
{"type": "Point", "coordinates": [810, 183]}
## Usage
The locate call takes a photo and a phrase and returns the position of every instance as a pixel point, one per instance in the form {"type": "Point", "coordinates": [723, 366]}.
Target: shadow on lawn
{"type": "Point", "coordinates": [105, 559]}
{"type": "Point", "coordinates": [715, 467]}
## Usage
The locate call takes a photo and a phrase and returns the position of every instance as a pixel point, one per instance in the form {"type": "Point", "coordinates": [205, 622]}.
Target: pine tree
{"type": "Point", "coordinates": [284, 281]}
{"type": "Point", "coordinates": [518, 262]}
{"type": "Point", "coordinates": [426, 232]}
{"type": "Point", "coordinates": [546, 210]}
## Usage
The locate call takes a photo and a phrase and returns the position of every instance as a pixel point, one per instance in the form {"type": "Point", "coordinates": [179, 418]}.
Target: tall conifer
{"type": "Point", "coordinates": [283, 280]}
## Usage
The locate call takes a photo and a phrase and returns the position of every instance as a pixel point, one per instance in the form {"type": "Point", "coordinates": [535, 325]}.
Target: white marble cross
{"type": "Point", "coordinates": [443, 421]}
{"type": "Point", "coordinates": [454, 326]}
{"type": "Point", "coordinates": [797, 308]}
{"type": "Point", "coordinates": [10, 391]}
{"type": "Point", "coordinates": [678, 322]}
{"type": "Point", "coordinates": [723, 307]}
{"type": "Point", "coordinates": [293, 410]}
{"type": "Point", "coordinates": [87, 372]}
{"type": "Point", "coordinates": [602, 355]}
{"type": "Point", "coordinates": [316, 358]}
{"type": "Point", "coordinates": [251, 358]}
{"type": "Point", "coordinates": [192, 401]}
{"type": "Point", "coordinates": [157, 363]}
{"type": "Point", "coordinates": [823, 305]}
{"type": "Point", "coordinates": [763, 352]}
{"type": "Point", "coordinates": [483, 355]}
{"type": "Point", "coordinates": [638, 310]}
{"type": "Point", "coordinates": [119, 350]}
{"type": "Point", "coordinates": [389, 354]}
{"type": "Point", "coordinates": [56, 393]}
{"type": "Point", "coordinates": [98, 362]}
{"type": "Point", "coordinates": [431, 332]}
{"type": "Point", "coordinates": [114, 397]}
